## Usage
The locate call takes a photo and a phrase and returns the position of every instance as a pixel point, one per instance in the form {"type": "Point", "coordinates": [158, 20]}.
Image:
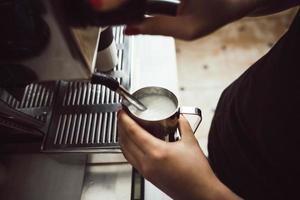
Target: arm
{"type": "Point", "coordinates": [180, 169]}
{"type": "Point", "coordinates": [197, 18]}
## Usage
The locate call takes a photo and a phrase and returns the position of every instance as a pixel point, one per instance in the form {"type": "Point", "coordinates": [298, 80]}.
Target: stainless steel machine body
{"type": "Point", "coordinates": [53, 120]}
{"type": "Point", "coordinates": [67, 121]}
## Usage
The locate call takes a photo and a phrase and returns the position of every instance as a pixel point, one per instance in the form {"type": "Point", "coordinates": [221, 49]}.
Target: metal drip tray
{"type": "Point", "coordinates": [84, 118]}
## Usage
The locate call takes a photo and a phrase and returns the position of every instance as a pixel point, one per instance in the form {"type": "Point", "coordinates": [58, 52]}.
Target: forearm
{"type": "Point", "coordinates": [273, 6]}
{"type": "Point", "coordinates": [217, 190]}
{"type": "Point", "coordinates": [203, 185]}
{"type": "Point", "coordinates": [224, 193]}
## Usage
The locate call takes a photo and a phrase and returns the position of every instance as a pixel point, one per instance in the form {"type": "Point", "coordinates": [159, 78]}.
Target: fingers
{"type": "Point", "coordinates": [131, 130]}
{"type": "Point", "coordinates": [106, 5]}
{"type": "Point", "coordinates": [185, 129]}
{"type": "Point", "coordinates": [180, 27]}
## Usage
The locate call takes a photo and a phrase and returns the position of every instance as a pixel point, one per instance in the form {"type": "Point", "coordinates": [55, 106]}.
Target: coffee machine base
{"type": "Point", "coordinates": [41, 176]}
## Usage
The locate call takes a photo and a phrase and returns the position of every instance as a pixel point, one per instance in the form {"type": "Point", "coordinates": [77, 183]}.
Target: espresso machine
{"type": "Point", "coordinates": [45, 91]}
{"type": "Point", "coordinates": [52, 119]}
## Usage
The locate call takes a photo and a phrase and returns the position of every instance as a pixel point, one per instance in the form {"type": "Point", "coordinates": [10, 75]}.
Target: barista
{"type": "Point", "coordinates": [254, 138]}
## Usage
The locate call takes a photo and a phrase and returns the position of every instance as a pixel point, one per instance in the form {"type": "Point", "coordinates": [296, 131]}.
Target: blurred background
{"type": "Point", "coordinates": [208, 65]}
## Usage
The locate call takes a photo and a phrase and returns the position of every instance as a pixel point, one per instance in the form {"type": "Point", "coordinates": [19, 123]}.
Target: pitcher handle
{"type": "Point", "coordinates": [192, 111]}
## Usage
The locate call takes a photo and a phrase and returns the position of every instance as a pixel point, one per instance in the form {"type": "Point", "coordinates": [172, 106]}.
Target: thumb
{"type": "Point", "coordinates": [163, 25]}
{"type": "Point", "coordinates": [185, 128]}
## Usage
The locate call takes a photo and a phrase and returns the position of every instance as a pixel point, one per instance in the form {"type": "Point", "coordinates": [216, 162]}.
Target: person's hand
{"type": "Point", "coordinates": [180, 169]}
{"type": "Point", "coordinates": [195, 18]}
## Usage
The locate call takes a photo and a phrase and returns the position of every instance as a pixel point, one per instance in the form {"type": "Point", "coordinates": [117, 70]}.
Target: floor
{"type": "Point", "coordinates": [208, 65]}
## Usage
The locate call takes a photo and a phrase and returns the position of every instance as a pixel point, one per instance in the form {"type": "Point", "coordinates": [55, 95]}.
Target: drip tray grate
{"type": "Point", "coordinates": [84, 119]}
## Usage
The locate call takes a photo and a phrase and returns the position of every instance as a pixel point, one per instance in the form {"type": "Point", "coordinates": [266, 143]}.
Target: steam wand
{"type": "Point", "coordinates": [98, 78]}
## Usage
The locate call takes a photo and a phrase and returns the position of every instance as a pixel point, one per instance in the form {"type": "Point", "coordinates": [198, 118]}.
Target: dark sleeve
{"type": "Point", "coordinates": [254, 142]}
{"type": "Point", "coordinates": [274, 6]}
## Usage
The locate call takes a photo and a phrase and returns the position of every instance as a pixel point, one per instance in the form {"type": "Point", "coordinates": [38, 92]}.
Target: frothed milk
{"type": "Point", "coordinates": [158, 107]}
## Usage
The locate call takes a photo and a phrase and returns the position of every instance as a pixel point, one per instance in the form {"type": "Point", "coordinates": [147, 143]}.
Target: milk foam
{"type": "Point", "coordinates": [158, 107]}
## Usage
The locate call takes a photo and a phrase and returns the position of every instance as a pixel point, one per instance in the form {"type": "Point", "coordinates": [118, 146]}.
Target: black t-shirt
{"type": "Point", "coordinates": [254, 141]}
